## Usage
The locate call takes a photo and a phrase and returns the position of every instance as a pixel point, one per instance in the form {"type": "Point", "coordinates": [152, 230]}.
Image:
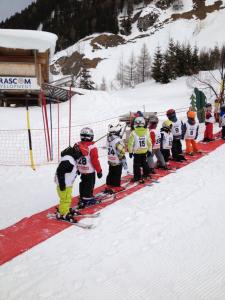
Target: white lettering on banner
{"type": "Point", "coordinates": [18, 83]}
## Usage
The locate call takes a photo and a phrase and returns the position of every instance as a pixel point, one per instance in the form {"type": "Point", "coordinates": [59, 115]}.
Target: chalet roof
{"type": "Point", "coordinates": [28, 39]}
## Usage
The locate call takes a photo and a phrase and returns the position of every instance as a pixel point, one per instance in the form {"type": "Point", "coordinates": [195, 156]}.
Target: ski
{"type": "Point", "coordinates": [79, 214]}
{"type": "Point", "coordinates": [77, 224]}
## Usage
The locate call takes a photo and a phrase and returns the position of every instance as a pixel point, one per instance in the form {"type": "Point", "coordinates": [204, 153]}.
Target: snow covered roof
{"type": "Point", "coordinates": [28, 39]}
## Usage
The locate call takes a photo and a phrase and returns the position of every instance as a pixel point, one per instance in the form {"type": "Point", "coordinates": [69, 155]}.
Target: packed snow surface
{"type": "Point", "coordinates": [162, 242]}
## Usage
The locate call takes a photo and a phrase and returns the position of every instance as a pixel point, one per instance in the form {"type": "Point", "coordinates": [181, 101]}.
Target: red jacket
{"type": "Point", "coordinates": [93, 154]}
{"type": "Point", "coordinates": [152, 136]}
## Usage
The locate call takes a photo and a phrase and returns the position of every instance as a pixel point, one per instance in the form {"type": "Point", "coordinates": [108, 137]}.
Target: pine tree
{"type": "Point", "coordinates": [188, 59]}
{"type": "Point", "coordinates": [156, 70]}
{"type": "Point", "coordinates": [172, 60]}
{"type": "Point", "coordinates": [215, 57]}
{"type": "Point", "coordinates": [181, 62]}
{"type": "Point", "coordinates": [204, 61]}
{"type": "Point", "coordinates": [195, 61]}
{"type": "Point", "coordinates": [165, 69]}
{"type": "Point", "coordinates": [85, 80]}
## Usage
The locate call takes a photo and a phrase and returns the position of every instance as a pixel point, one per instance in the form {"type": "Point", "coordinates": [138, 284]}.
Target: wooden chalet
{"type": "Point", "coordinates": [24, 67]}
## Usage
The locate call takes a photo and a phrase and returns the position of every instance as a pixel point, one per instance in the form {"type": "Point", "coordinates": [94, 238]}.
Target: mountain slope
{"type": "Point", "coordinates": [195, 24]}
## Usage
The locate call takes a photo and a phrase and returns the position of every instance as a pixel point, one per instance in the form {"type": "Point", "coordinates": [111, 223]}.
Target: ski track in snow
{"type": "Point", "coordinates": [152, 245]}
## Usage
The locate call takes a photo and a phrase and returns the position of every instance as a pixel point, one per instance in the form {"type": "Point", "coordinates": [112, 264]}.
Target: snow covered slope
{"type": "Point", "coordinates": [201, 31]}
{"type": "Point", "coordinates": [164, 242]}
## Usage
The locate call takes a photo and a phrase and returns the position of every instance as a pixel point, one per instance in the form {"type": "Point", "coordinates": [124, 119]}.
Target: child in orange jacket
{"type": "Point", "coordinates": [191, 133]}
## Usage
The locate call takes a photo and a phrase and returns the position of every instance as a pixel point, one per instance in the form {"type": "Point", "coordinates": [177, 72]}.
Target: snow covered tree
{"type": "Point", "coordinates": [103, 86]}
{"type": "Point", "coordinates": [121, 73]}
{"type": "Point", "coordinates": [144, 65]}
{"type": "Point", "coordinates": [85, 80]}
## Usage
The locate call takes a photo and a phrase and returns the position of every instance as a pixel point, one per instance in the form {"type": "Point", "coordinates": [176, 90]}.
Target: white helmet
{"type": "Point", "coordinates": [139, 122]}
{"type": "Point", "coordinates": [86, 134]}
{"type": "Point", "coordinates": [153, 119]}
{"type": "Point", "coordinates": [114, 129]}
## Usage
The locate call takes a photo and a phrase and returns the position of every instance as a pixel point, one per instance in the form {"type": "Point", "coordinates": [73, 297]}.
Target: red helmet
{"type": "Point", "coordinates": [170, 112]}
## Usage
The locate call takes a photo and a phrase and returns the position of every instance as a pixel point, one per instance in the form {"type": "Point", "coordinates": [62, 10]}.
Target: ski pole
{"type": "Point", "coordinates": [29, 135]}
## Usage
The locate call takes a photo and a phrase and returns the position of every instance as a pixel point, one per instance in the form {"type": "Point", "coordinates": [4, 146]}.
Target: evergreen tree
{"type": "Point", "coordinates": [172, 60]}
{"type": "Point", "coordinates": [156, 70]}
{"type": "Point", "coordinates": [188, 60]}
{"type": "Point", "coordinates": [180, 66]}
{"type": "Point", "coordinates": [215, 58]}
{"type": "Point", "coordinates": [165, 69]}
{"type": "Point", "coordinates": [204, 61]}
{"type": "Point", "coordinates": [85, 80]}
{"type": "Point", "coordinates": [195, 61]}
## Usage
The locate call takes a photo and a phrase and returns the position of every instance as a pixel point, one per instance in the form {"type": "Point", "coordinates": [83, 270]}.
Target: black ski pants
{"type": "Point", "coordinates": [177, 150]}
{"type": "Point", "coordinates": [140, 161]}
{"type": "Point", "coordinates": [114, 176]}
{"type": "Point", "coordinates": [87, 184]}
{"type": "Point", "coordinates": [166, 154]}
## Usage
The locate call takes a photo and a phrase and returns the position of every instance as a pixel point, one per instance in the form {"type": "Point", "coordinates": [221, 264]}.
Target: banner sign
{"type": "Point", "coordinates": [18, 83]}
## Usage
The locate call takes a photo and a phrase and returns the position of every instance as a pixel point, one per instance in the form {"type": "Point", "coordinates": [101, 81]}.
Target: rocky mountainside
{"type": "Point", "coordinates": [153, 24]}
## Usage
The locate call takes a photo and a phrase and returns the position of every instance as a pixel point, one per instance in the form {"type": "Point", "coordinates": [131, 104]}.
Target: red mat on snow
{"type": "Point", "coordinates": [37, 228]}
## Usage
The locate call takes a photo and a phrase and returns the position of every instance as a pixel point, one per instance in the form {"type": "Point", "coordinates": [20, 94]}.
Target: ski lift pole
{"type": "Point", "coordinates": [51, 140]}
{"type": "Point", "coordinates": [70, 104]}
{"type": "Point", "coordinates": [29, 135]}
{"type": "Point", "coordinates": [43, 118]}
{"type": "Point", "coordinates": [58, 129]}
{"type": "Point", "coordinates": [46, 124]}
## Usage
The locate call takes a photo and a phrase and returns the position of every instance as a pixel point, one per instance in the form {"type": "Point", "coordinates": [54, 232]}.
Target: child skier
{"type": "Point", "coordinates": [191, 133]}
{"type": "Point", "coordinates": [139, 147]}
{"type": "Point", "coordinates": [155, 138]}
{"type": "Point", "coordinates": [65, 176]}
{"type": "Point", "coordinates": [87, 165]}
{"type": "Point", "coordinates": [222, 120]}
{"type": "Point", "coordinates": [209, 120]}
{"type": "Point", "coordinates": [116, 158]}
{"type": "Point", "coordinates": [166, 139]}
{"type": "Point", "coordinates": [177, 131]}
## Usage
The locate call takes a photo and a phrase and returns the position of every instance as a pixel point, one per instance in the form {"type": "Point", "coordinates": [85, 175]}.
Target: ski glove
{"type": "Point", "coordinates": [149, 153]}
{"type": "Point", "coordinates": [130, 155]}
{"type": "Point", "coordinates": [99, 175]}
